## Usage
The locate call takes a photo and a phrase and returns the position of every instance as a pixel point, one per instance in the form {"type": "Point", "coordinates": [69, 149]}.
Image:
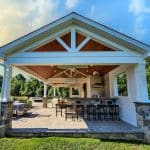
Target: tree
{"type": "Point", "coordinates": [15, 87]}
{"type": "Point", "coordinates": [148, 76]}
{"type": "Point", "coordinates": [20, 77]}
{"type": "Point", "coordinates": [40, 90]}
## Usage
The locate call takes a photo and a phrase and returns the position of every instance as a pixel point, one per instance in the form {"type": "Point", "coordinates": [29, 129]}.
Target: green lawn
{"type": "Point", "coordinates": [55, 143]}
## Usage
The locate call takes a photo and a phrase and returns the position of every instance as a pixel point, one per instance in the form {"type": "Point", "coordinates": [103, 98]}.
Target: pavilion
{"type": "Point", "coordinates": [80, 53]}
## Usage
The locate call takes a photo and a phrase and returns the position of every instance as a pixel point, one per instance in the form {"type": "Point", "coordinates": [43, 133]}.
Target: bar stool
{"type": "Point", "coordinates": [70, 111]}
{"type": "Point", "coordinates": [113, 112]}
{"type": "Point", "coordinates": [80, 110]}
{"type": "Point", "coordinates": [91, 112]}
{"type": "Point", "coordinates": [101, 112]}
{"type": "Point", "coordinates": [117, 116]}
{"type": "Point", "coordinates": [58, 109]}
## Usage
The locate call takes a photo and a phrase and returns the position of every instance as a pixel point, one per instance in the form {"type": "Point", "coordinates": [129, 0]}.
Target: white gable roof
{"type": "Point", "coordinates": [74, 19]}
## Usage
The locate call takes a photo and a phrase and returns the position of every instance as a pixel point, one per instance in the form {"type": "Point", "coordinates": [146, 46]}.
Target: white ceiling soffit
{"type": "Point", "coordinates": [74, 19]}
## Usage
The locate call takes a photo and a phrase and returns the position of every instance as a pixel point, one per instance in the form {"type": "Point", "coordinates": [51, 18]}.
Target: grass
{"type": "Point", "coordinates": [56, 143]}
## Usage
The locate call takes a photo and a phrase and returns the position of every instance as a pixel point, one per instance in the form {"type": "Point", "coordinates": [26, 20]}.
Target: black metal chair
{"type": "Point", "coordinates": [80, 110]}
{"type": "Point", "coordinates": [70, 111]}
{"type": "Point", "coordinates": [101, 112]}
{"type": "Point", "coordinates": [91, 112]}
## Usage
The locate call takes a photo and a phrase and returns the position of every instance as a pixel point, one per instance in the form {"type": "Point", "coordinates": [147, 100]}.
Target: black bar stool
{"type": "Point", "coordinates": [58, 109]}
{"type": "Point", "coordinates": [113, 112]}
{"type": "Point", "coordinates": [70, 111]}
{"type": "Point", "coordinates": [91, 112]}
{"type": "Point", "coordinates": [80, 110]}
{"type": "Point", "coordinates": [101, 112]}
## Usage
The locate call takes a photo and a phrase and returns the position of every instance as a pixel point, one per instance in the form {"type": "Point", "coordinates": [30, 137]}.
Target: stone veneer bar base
{"type": "Point", "coordinates": [6, 118]}
{"type": "Point", "coordinates": [135, 136]}
{"type": "Point", "coordinates": [143, 118]}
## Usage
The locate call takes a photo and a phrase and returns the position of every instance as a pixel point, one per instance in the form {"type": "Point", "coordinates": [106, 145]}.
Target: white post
{"type": "Point", "coordinates": [137, 83]}
{"type": "Point", "coordinates": [70, 91]}
{"type": "Point", "coordinates": [115, 84]}
{"type": "Point", "coordinates": [89, 87]}
{"type": "Point", "coordinates": [45, 89]}
{"type": "Point", "coordinates": [141, 83]}
{"type": "Point", "coordinates": [54, 91]}
{"type": "Point", "coordinates": [6, 84]}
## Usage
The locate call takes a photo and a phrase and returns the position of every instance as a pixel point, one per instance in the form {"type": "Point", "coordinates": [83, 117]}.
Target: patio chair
{"type": "Point", "coordinates": [70, 111]}
{"type": "Point", "coordinates": [91, 112]}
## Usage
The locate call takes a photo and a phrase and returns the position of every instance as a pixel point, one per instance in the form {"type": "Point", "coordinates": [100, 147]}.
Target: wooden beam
{"type": "Point", "coordinates": [63, 43]}
{"type": "Point", "coordinates": [67, 74]}
{"type": "Point", "coordinates": [66, 80]}
{"type": "Point", "coordinates": [77, 54]}
{"type": "Point", "coordinates": [81, 73]}
{"type": "Point", "coordinates": [75, 74]}
{"type": "Point", "coordinates": [83, 43]}
{"type": "Point", "coordinates": [82, 58]}
{"type": "Point", "coordinates": [73, 39]}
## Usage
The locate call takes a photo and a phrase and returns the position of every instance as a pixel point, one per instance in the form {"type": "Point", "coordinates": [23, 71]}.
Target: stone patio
{"type": "Point", "coordinates": [44, 119]}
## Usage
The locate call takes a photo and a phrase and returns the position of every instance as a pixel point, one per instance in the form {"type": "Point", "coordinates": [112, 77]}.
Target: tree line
{"type": "Point", "coordinates": [31, 87]}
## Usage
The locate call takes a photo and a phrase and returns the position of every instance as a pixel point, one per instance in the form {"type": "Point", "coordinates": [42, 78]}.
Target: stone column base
{"type": "Point", "coordinates": [6, 117]}
{"type": "Point", "coordinates": [143, 118]}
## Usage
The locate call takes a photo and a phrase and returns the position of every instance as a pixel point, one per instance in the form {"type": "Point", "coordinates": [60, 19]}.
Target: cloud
{"type": "Point", "coordinates": [21, 17]}
{"type": "Point", "coordinates": [92, 11]}
{"type": "Point", "coordinates": [138, 6]}
{"type": "Point", "coordinates": [71, 3]}
{"type": "Point", "coordinates": [141, 12]}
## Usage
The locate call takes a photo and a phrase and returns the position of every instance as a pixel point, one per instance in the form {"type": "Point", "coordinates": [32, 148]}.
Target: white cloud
{"type": "Point", "coordinates": [21, 17]}
{"type": "Point", "coordinates": [138, 6]}
{"type": "Point", "coordinates": [71, 3]}
{"type": "Point", "coordinates": [141, 12]}
{"type": "Point", "coordinates": [92, 10]}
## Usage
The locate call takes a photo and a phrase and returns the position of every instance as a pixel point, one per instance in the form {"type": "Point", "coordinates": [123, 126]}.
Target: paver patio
{"type": "Point", "coordinates": [44, 119]}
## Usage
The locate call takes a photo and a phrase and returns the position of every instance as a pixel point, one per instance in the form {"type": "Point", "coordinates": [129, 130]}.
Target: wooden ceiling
{"type": "Point", "coordinates": [55, 46]}
{"type": "Point", "coordinates": [51, 71]}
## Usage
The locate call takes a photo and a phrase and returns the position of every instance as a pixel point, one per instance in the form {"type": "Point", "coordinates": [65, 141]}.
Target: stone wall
{"type": "Point", "coordinates": [143, 118]}
{"type": "Point", "coordinates": [6, 117]}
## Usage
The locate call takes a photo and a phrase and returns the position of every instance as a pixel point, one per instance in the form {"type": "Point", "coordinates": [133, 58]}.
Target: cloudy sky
{"type": "Point", "coordinates": [19, 17]}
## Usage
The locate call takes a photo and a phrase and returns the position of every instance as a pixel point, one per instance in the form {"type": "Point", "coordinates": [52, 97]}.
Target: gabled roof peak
{"type": "Point", "coordinates": [134, 44]}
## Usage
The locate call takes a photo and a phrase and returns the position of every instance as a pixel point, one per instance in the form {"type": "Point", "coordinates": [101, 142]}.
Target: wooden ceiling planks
{"type": "Point", "coordinates": [50, 71]}
{"type": "Point", "coordinates": [95, 46]}
{"type": "Point", "coordinates": [52, 46]}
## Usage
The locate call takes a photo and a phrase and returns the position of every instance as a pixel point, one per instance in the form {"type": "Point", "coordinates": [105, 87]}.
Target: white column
{"type": "Point", "coordinates": [45, 89]}
{"type": "Point", "coordinates": [89, 87]}
{"type": "Point", "coordinates": [141, 83]}
{"type": "Point", "coordinates": [54, 94]}
{"type": "Point", "coordinates": [138, 83]}
{"type": "Point", "coordinates": [6, 84]}
{"type": "Point", "coordinates": [115, 84]}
